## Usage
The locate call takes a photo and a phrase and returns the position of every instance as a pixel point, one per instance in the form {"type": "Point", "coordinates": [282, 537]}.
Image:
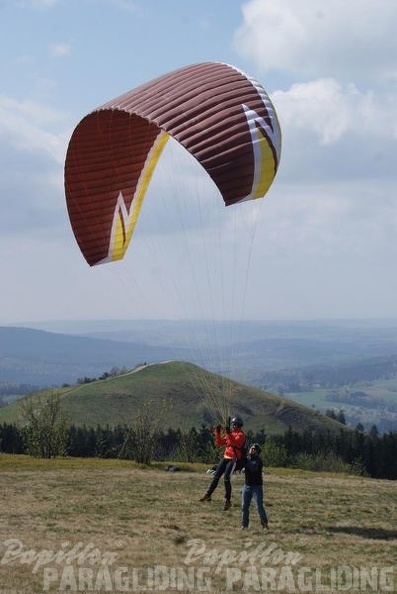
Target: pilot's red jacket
{"type": "Point", "coordinates": [234, 442]}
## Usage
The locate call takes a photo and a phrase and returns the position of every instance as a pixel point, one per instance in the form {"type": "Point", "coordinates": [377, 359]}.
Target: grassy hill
{"type": "Point", "coordinates": [318, 522]}
{"type": "Point", "coordinates": [185, 395]}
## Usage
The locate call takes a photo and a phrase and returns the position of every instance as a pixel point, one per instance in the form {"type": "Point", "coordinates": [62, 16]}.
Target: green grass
{"type": "Point", "coordinates": [385, 389]}
{"type": "Point", "coordinates": [148, 517]}
{"type": "Point", "coordinates": [313, 398]}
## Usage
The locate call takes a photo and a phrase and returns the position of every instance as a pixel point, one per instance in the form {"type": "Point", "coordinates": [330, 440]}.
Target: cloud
{"type": "Point", "coordinates": [127, 5]}
{"type": "Point", "coordinates": [345, 40]}
{"type": "Point", "coordinates": [32, 151]}
{"type": "Point", "coordinates": [60, 49]}
{"type": "Point", "coordinates": [332, 110]}
{"type": "Point", "coordinates": [344, 219]}
{"type": "Point", "coordinates": [32, 194]}
{"type": "Point", "coordinates": [123, 5]}
{"type": "Point", "coordinates": [26, 126]}
{"type": "Point", "coordinates": [336, 131]}
{"type": "Point", "coordinates": [338, 104]}
{"type": "Point", "coordinates": [37, 3]}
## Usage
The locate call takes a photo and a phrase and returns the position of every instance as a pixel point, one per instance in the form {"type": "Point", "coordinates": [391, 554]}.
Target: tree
{"type": "Point", "coordinates": [44, 424]}
{"type": "Point", "coordinates": [187, 450]}
{"type": "Point", "coordinates": [373, 432]}
{"type": "Point", "coordinates": [11, 439]}
{"type": "Point", "coordinates": [331, 414]}
{"type": "Point", "coordinates": [143, 433]}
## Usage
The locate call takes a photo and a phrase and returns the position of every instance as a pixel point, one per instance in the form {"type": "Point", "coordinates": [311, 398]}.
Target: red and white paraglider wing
{"type": "Point", "coordinates": [221, 116]}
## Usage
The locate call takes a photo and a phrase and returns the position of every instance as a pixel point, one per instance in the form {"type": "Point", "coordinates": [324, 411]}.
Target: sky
{"type": "Point", "coordinates": [323, 242]}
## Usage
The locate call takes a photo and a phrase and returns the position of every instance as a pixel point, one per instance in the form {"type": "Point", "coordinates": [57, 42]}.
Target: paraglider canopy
{"type": "Point", "coordinates": [223, 117]}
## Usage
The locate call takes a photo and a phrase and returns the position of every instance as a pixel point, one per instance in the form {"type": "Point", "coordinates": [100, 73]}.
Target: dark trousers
{"type": "Point", "coordinates": [254, 492]}
{"type": "Point", "coordinates": [226, 468]}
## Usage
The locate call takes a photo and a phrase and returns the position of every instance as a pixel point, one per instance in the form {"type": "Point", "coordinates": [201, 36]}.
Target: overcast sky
{"type": "Point", "coordinates": [322, 244]}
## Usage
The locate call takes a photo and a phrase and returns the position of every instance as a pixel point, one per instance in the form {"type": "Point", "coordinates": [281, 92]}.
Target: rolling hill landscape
{"type": "Point", "coordinates": [41, 358]}
{"type": "Point", "coordinates": [349, 366]}
{"type": "Point", "coordinates": [185, 396]}
{"type": "Point", "coordinates": [55, 352]}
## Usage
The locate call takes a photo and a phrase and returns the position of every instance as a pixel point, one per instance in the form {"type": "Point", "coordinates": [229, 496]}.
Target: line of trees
{"type": "Point", "coordinates": [348, 451]}
{"type": "Point", "coordinates": [44, 431]}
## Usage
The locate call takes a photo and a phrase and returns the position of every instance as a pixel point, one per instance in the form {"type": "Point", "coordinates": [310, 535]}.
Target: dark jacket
{"type": "Point", "coordinates": [253, 471]}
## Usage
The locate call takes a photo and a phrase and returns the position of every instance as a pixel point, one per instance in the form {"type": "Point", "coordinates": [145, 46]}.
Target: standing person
{"type": "Point", "coordinates": [253, 488]}
{"type": "Point", "coordinates": [234, 440]}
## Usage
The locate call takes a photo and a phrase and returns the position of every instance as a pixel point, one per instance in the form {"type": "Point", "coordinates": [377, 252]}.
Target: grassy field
{"type": "Point", "coordinates": [112, 526]}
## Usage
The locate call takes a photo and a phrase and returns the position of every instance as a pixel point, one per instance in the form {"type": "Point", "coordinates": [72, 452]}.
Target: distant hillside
{"type": "Point", "coordinates": [61, 352]}
{"type": "Point", "coordinates": [43, 358]}
{"type": "Point", "coordinates": [349, 372]}
{"type": "Point", "coordinates": [365, 389]}
{"type": "Point", "coordinates": [184, 394]}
